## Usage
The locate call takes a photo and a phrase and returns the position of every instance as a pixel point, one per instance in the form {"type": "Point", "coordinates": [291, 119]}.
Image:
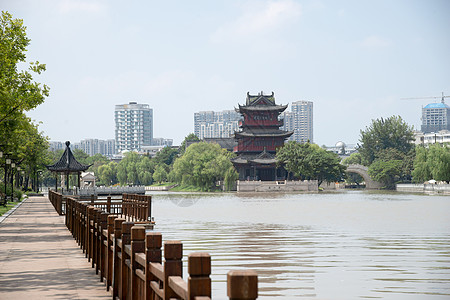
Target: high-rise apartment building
{"type": "Point", "coordinates": [435, 117]}
{"type": "Point", "coordinates": [134, 126]}
{"type": "Point", "coordinates": [299, 120]}
{"type": "Point", "coordinates": [210, 124]}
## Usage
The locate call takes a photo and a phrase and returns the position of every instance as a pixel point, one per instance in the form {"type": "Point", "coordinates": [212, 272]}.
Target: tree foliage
{"type": "Point", "coordinates": [18, 91]}
{"type": "Point", "coordinates": [202, 165]}
{"type": "Point", "coordinates": [432, 163]}
{"type": "Point", "coordinates": [386, 172]}
{"type": "Point", "coordinates": [382, 134]}
{"type": "Point", "coordinates": [189, 138]}
{"type": "Point", "coordinates": [20, 138]}
{"type": "Point", "coordinates": [309, 161]}
{"type": "Point", "coordinates": [134, 169]}
{"type": "Point", "coordinates": [166, 156]}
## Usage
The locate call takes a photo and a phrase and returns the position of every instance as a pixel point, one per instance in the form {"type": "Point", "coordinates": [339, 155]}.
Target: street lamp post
{"type": "Point", "coordinates": [38, 175]}
{"type": "Point", "coordinates": [7, 162]}
{"type": "Point", "coordinates": [13, 165]}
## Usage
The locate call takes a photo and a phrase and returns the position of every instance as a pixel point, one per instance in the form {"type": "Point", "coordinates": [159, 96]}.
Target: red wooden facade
{"type": "Point", "coordinates": [259, 138]}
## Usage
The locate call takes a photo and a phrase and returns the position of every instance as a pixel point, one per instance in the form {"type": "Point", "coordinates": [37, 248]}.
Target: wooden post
{"type": "Point", "coordinates": [149, 208]}
{"type": "Point", "coordinates": [153, 244]}
{"type": "Point", "coordinates": [137, 245]}
{"type": "Point", "coordinates": [173, 253]}
{"type": "Point", "coordinates": [126, 240]}
{"type": "Point", "coordinates": [103, 245]}
{"type": "Point", "coordinates": [242, 285]}
{"type": "Point", "coordinates": [108, 204]}
{"type": "Point", "coordinates": [116, 260]}
{"type": "Point", "coordinates": [90, 218]}
{"type": "Point", "coordinates": [199, 269]}
{"type": "Point", "coordinates": [109, 251]}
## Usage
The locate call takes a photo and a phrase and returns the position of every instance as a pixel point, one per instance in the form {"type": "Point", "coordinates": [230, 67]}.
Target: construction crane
{"type": "Point", "coordinates": [421, 98]}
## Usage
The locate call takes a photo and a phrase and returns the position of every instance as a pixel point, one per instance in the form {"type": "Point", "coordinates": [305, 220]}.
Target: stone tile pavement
{"type": "Point", "coordinates": [39, 259]}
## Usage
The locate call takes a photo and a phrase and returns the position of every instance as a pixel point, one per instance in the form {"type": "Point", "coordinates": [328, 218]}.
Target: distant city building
{"type": "Point", "coordinates": [210, 124]}
{"type": "Point", "coordinates": [134, 126]}
{"type": "Point", "coordinates": [440, 137]}
{"type": "Point", "coordinates": [89, 146]}
{"type": "Point", "coordinates": [95, 146]}
{"type": "Point", "coordinates": [435, 117]}
{"type": "Point", "coordinates": [55, 146]}
{"type": "Point", "coordinates": [299, 120]}
{"type": "Point", "coordinates": [162, 142]}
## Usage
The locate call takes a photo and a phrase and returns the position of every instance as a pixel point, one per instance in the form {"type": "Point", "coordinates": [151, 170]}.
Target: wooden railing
{"type": "Point", "coordinates": [133, 207]}
{"type": "Point", "coordinates": [127, 255]}
{"type": "Point", "coordinates": [57, 201]}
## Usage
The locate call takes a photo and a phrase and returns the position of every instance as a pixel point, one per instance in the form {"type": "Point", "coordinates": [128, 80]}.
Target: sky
{"type": "Point", "coordinates": [355, 60]}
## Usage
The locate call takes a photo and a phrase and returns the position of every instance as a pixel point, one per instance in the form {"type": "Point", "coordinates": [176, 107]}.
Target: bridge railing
{"type": "Point", "coordinates": [127, 256]}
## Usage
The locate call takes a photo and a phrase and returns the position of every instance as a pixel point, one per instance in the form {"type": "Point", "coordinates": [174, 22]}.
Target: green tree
{"type": "Point", "coordinates": [230, 178]}
{"type": "Point", "coordinates": [19, 136]}
{"type": "Point", "coordinates": [202, 165]}
{"type": "Point", "coordinates": [421, 170]}
{"type": "Point", "coordinates": [292, 156]}
{"type": "Point", "coordinates": [432, 163]}
{"type": "Point", "coordinates": [160, 174]}
{"type": "Point", "coordinates": [107, 173]}
{"type": "Point", "coordinates": [189, 138]}
{"type": "Point", "coordinates": [390, 133]}
{"type": "Point", "coordinates": [167, 155]}
{"type": "Point", "coordinates": [439, 158]}
{"type": "Point", "coordinates": [309, 161]}
{"type": "Point", "coordinates": [18, 91]}
{"type": "Point", "coordinates": [145, 168]}
{"type": "Point", "coordinates": [353, 159]}
{"type": "Point", "coordinates": [386, 172]}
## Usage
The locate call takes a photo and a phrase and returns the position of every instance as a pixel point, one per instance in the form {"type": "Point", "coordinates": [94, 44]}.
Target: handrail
{"type": "Point", "coordinates": [129, 258]}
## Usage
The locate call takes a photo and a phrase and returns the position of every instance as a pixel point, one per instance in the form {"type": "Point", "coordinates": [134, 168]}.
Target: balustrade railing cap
{"type": "Point", "coordinates": [242, 284]}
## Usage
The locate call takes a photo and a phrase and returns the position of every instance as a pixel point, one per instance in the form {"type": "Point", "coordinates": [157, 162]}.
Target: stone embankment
{"type": "Point", "coordinates": [424, 188]}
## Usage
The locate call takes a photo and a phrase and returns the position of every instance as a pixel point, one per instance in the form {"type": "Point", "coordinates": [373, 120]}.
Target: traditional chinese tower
{"type": "Point", "coordinates": [259, 138]}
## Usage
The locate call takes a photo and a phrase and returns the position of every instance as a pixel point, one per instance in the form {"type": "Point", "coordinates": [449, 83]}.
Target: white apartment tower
{"type": "Point", "coordinates": [300, 120]}
{"type": "Point", "coordinates": [210, 124]}
{"type": "Point", "coordinates": [134, 126]}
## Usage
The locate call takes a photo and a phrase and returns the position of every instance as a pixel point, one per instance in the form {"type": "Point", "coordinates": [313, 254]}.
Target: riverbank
{"type": "Point", "coordinates": [424, 188]}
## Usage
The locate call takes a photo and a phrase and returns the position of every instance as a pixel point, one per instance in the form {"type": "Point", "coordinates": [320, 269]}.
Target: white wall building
{"type": "Point", "coordinates": [134, 126]}
{"type": "Point", "coordinates": [439, 137]}
{"type": "Point", "coordinates": [210, 124]}
{"type": "Point", "coordinates": [299, 120]}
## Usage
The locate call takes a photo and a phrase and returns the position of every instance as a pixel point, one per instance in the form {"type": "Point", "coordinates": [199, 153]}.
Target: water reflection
{"type": "Point", "coordinates": [318, 246]}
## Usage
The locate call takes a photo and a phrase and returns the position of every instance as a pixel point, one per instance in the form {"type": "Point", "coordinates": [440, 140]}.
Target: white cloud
{"type": "Point", "coordinates": [69, 6]}
{"type": "Point", "coordinates": [374, 41]}
{"type": "Point", "coordinates": [271, 16]}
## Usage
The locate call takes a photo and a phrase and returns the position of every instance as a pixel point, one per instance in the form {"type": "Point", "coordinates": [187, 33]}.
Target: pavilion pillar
{"type": "Point", "coordinates": [78, 173]}
{"type": "Point", "coordinates": [67, 181]}
{"type": "Point", "coordinates": [56, 182]}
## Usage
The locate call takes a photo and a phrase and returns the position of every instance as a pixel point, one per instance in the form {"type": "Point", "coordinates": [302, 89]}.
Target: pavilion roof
{"type": "Point", "coordinates": [263, 158]}
{"type": "Point", "coordinates": [67, 163]}
{"type": "Point", "coordinates": [263, 132]}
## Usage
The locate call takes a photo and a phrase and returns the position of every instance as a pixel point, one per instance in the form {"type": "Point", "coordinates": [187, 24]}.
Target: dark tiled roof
{"type": "Point", "coordinates": [263, 158]}
{"type": "Point", "coordinates": [67, 163]}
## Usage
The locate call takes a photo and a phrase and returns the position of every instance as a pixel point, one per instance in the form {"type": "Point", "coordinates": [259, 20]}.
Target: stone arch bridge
{"type": "Point", "coordinates": [363, 171]}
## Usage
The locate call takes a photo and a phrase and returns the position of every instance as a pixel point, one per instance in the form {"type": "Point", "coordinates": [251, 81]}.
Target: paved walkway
{"type": "Point", "coordinates": [39, 259]}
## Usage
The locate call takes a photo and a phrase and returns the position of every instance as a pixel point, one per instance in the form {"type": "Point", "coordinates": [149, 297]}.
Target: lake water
{"type": "Point", "coordinates": [343, 245]}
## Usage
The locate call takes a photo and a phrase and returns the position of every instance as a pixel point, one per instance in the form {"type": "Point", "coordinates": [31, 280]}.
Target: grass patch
{"type": "Point", "coordinates": [186, 188]}
{"type": "Point", "coordinates": [9, 206]}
